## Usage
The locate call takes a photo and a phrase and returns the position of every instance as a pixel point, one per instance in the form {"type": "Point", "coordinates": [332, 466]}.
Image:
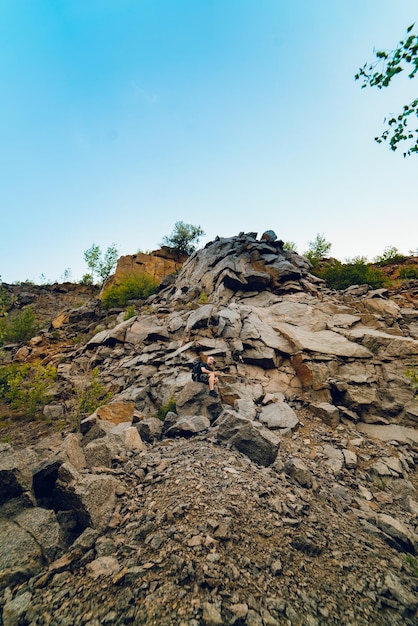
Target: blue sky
{"type": "Point", "coordinates": [121, 117]}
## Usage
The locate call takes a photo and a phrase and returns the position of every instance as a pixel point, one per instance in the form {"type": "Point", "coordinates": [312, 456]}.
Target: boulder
{"type": "Point", "coordinates": [327, 412]}
{"type": "Point", "coordinates": [278, 415]}
{"type": "Point", "coordinates": [248, 437]}
{"type": "Point", "coordinates": [90, 497]}
{"type": "Point", "coordinates": [187, 426]}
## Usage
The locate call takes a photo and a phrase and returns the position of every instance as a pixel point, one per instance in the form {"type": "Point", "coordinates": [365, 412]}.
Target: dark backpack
{"type": "Point", "coordinates": [196, 370]}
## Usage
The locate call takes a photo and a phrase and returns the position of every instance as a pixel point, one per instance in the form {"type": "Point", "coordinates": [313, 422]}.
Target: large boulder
{"type": "Point", "coordinates": [248, 437]}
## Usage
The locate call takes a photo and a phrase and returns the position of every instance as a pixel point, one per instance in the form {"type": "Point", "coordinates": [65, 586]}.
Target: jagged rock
{"type": "Point", "coordinates": [403, 536]}
{"type": "Point", "coordinates": [91, 497]}
{"type": "Point", "coordinates": [327, 412]}
{"type": "Point", "coordinates": [250, 438]}
{"type": "Point", "coordinates": [335, 458]}
{"type": "Point", "coordinates": [150, 429]}
{"type": "Point", "coordinates": [45, 475]}
{"type": "Point", "coordinates": [43, 526]}
{"type": "Point", "coordinates": [20, 554]}
{"type": "Point", "coordinates": [194, 399]}
{"type": "Point", "coordinates": [15, 610]}
{"type": "Point", "coordinates": [350, 459]}
{"type": "Point", "coordinates": [299, 472]}
{"type": "Point", "coordinates": [393, 588]}
{"type": "Point", "coordinates": [15, 474]}
{"type": "Point", "coordinates": [186, 426]}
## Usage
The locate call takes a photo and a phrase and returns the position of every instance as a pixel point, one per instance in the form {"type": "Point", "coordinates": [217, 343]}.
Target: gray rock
{"type": "Point", "coordinates": [91, 497]}
{"type": "Point", "coordinates": [249, 438]}
{"type": "Point", "coordinates": [15, 609]}
{"type": "Point", "coordinates": [299, 472]}
{"type": "Point", "coordinates": [186, 426]}
{"type": "Point", "coordinates": [20, 554]}
{"type": "Point", "coordinates": [398, 531]}
{"type": "Point", "coordinates": [278, 415]}
{"type": "Point", "coordinates": [15, 475]}
{"type": "Point", "coordinates": [150, 429]}
{"type": "Point", "coordinates": [327, 412]}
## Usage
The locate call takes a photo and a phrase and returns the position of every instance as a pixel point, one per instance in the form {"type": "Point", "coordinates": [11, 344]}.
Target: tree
{"type": "Point", "coordinates": [380, 74]}
{"type": "Point", "coordinates": [99, 264]}
{"type": "Point", "coordinates": [318, 249]}
{"type": "Point", "coordinates": [183, 238]}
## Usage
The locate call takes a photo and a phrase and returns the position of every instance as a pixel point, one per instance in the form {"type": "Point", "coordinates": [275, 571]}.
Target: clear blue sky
{"type": "Point", "coordinates": [121, 117]}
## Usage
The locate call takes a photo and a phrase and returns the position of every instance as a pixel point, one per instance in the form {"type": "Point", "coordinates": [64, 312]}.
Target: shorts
{"type": "Point", "coordinates": [204, 378]}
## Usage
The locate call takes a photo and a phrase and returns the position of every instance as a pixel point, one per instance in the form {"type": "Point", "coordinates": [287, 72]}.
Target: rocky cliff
{"type": "Point", "coordinates": [288, 499]}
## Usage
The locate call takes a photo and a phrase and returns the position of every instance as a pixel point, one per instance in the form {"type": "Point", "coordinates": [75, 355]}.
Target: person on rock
{"type": "Point", "coordinates": [208, 375]}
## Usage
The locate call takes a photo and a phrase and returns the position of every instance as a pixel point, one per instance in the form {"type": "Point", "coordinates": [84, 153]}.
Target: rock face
{"type": "Point", "coordinates": [159, 264]}
{"type": "Point", "coordinates": [290, 498]}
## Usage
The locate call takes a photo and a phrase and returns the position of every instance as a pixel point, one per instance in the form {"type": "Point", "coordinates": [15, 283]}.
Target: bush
{"type": "Point", "coordinates": [410, 272]}
{"type": "Point", "coordinates": [25, 386]}
{"type": "Point", "coordinates": [412, 373]}
{"type": "Point", "coordinates": [20, 327]}
{"type": "Point", "coordinates": [342, 276]}
{"type": "Point", "coordinates": [130, 288]}
{"type": "Point", "coordinates": [130, 312]}
{"type": "Point", "coordinates": [390, 255]}
{"type": "Point", "coordinates": [90, 393]}
{"type": "Point", "coordinates": [162, 411]}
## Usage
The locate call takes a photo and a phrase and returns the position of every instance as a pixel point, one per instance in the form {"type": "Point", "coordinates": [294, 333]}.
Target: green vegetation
{"type": "Point", "coordinates": [203, 298]}
{"type": "Point", "coordinates": [130, 312]}
{"type": "Point", "coordinates": [25, 386]}
{"type": "Point", "coordinates": [19, 327]}
{"type": "Point", "coordinates": [319, 248]}
{"type": "Point", "coordinates": [390, 254]}
{"type": "Point", "coordinates": [162, 411]}
{"type": "Point", "coordinates": [413, 563]}
{"type": "Point", "coordinates": [184, 238]}
{"type": "Point", "coordinates": [290, 246]}
{"type": "Point", "coordinates": [100, 265]}
{"type": "Point", "coordinates": [5, 300]}
{"type": "Point", "coordinates": [90, 393]}
{"type": "Point", "coordinates": [410, 272]}
{"type": "Point", "coordinates": [412, 373]}
{"type": "Point", "coordinates": [130, 287]}
{"type": "Point", "coordinates": [342, 275]}
{"type": "Point", "coordinates": [404, 56]}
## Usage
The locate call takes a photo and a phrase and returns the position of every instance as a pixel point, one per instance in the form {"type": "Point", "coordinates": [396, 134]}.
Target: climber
{"type": "Point", "coordinates": [204, 373]}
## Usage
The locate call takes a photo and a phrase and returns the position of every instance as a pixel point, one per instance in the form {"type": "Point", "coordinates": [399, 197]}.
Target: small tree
{"type": "Point", "coordinates": [183, 238]}
{"type": "Point", "coordinates": [390, 254]}
{"type": "Point", "coordinates": [99, 264]}
{"type": "Point", "coordinates": [318, 249]}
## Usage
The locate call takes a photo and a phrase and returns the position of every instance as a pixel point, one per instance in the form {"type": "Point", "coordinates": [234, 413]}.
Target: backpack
{"type": "Point", "coordinates": [196, 370]}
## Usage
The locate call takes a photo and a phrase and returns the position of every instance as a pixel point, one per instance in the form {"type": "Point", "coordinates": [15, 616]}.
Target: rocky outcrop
{"type": "Point", "coordinates": [159, 264]}
{"type": "Point", "coordinates": [289, 498]}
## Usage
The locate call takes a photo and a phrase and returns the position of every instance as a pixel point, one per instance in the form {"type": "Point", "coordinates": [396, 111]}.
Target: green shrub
{"type": "Point", "coordinates": [390, 255]}
{"type": "Point", "coordinates": [25, 386]}
{"type": "Point", "coordinates": [343, 275]}
{"type": "Point", "coordinates": [162, 411]}
{"type": "Point", "coordinates": [130, 287]}
{"type": "Point", "coordinates": [4, 300]}
{"type": "Point", "coordinates": [130, 312]}
{"type": "Point", "coordinates": [409, 272]}
{"type": "Point", "coordinates": [90, 393]}
{"type": "Point", "coordinates": [412, 373]}
{"type": "Point", "coordinates": [20, 327]}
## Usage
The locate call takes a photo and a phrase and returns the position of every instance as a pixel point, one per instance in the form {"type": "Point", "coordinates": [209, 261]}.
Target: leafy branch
{"type": "Point", "coordinates": [380, 74]}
